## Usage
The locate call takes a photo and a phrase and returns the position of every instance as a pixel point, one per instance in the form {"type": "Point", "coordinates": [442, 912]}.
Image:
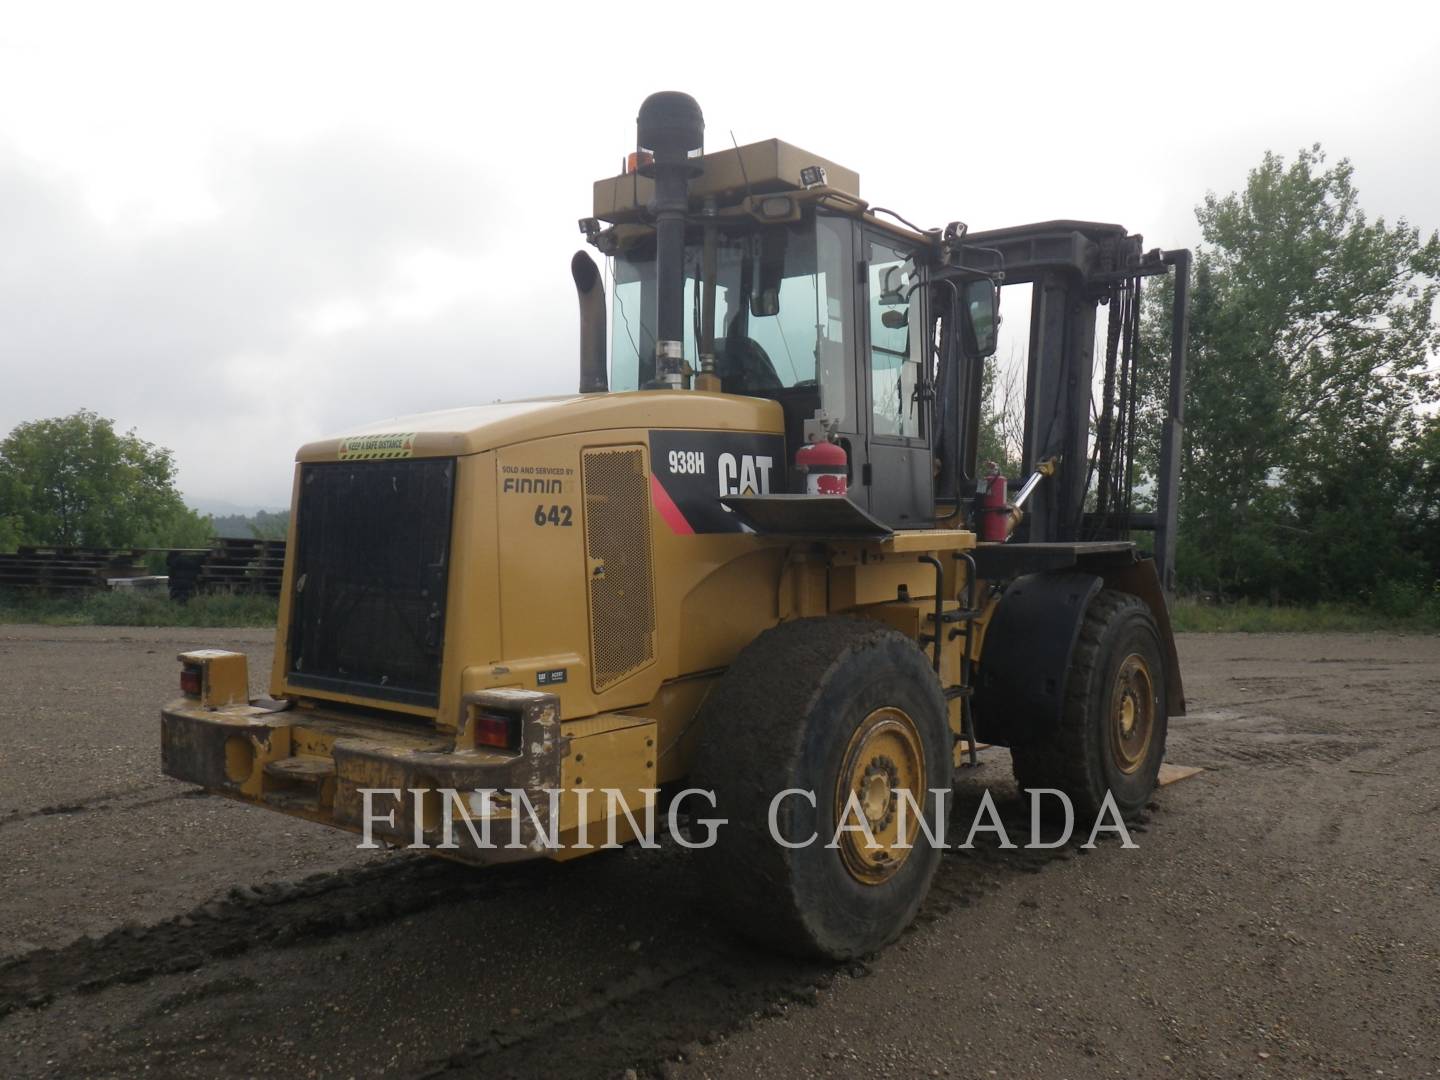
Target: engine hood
{"type": "Point", "coordinates": [477, 428]}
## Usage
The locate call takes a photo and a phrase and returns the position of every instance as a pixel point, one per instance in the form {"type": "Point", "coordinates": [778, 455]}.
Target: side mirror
{"type": "Point", "coordinates": [765, 303]}
{"type": "Point", "coordinates": [769, 273]}
{"type": "Point", "coordinates": [890, 294]}
{"type": "Point", "coordinates": [980, 303]}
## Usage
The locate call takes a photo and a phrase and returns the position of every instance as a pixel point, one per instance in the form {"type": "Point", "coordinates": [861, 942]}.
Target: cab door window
{"type": "Point", "coordinates": [893, 312]}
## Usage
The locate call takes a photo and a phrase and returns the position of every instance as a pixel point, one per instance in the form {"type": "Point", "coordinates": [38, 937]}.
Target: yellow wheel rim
{"type": "Point", "coordinates": [1132, 713]}
{"type": "Point", "coordinates": [883, 758]}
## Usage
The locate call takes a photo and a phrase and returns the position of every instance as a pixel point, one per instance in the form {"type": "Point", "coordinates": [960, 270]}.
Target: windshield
{"type": "Point", "coordinates": [781, 308]}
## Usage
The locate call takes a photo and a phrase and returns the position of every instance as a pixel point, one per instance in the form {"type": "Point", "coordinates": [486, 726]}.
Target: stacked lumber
{"type": "Point", "coordinates": [69, 569]}
{"type": "Point", "coordinates": [229, 565]}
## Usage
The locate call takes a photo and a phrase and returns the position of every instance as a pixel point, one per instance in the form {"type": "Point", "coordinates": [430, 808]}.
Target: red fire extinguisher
{"type": "Point", "coordinates": [825, 465]}
{"type": "Point", "coordinates": [993, 515]}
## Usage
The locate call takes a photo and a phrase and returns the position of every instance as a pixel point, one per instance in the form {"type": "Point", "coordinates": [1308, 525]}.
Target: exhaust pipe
{"type": "Point", "coordinates": [592, 324]}
{"type": "Point", "coordinates": [670, 126]}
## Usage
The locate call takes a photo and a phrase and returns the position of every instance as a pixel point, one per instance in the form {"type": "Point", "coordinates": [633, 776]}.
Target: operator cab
{"type": "Point", "coordinates": [794, 322]}
{"type": "Point", "coordinates": [810, 301]}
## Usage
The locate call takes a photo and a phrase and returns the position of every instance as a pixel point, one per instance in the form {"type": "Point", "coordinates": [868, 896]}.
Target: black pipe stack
{"type": "Point", "coordinates": [670, 126]}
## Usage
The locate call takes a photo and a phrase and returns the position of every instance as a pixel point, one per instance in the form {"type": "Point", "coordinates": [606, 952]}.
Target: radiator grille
{"type": "Point", "coordinates": [617, 540]}
{"type": "Point", "coordinates": [371, 568]}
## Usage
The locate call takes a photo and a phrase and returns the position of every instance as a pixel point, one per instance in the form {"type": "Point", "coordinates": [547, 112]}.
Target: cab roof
{"type": "Point", "coordinates": [762, 168]}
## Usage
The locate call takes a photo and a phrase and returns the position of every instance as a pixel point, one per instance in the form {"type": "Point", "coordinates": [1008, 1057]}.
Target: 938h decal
{"type": "Point", "coordinates": [691, 470]}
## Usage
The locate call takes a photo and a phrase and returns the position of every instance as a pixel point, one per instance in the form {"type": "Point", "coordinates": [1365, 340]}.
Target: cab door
{"type": "Point", "coordinates": [900, 473]}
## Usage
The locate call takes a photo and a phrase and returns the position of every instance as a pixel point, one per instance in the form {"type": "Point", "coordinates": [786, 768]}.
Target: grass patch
{"type": "Point", "coordinates": [136, 609]}
{"type": "Point", "coordinates": [1192, 616]}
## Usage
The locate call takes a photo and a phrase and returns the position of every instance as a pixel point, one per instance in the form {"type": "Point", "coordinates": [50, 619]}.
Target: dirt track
{"type": "Point", "coordinates": [1281, 917]}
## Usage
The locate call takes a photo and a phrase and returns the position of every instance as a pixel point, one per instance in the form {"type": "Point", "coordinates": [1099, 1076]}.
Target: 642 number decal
{"type": "Point", "coordinates": [554, 515]}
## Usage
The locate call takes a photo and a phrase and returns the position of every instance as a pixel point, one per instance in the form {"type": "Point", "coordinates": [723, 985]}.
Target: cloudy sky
{"type": "Point", "coordinates": [236, 227]}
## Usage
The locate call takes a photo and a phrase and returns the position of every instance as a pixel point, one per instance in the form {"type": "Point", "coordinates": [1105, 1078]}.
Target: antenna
{"type": "Point", "coordinates": [741, 159]}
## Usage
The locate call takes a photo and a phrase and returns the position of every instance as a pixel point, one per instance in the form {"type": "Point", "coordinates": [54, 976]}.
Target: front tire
{"type": "Point", "coordinates": [851, 711]}
{"type": "Point", "coordinates": [1112, 734]}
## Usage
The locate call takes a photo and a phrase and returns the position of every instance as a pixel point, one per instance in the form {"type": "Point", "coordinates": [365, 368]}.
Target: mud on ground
{"type": "Point", "coordinates": [1280, 918]}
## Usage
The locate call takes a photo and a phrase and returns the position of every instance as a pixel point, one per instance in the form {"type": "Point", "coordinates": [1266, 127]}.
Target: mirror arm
{"type": "Point", "coordinates": [950, 353]}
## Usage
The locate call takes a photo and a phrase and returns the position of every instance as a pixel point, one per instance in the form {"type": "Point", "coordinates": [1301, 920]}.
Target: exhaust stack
{"type": "Point", "coordinates": [593, 379]}
{"type": "Point", "coordinates": [670, 126]}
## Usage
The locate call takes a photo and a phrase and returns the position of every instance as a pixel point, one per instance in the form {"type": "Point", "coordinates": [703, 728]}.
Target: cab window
{"type": "Point", "coordinates": [893, 306]}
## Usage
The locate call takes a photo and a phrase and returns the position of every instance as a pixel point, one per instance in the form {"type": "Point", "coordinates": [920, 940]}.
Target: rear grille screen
{"type": "Point", "coordinates": [617, 540]}
{"type": "Point", "coordinates": [371, 565]}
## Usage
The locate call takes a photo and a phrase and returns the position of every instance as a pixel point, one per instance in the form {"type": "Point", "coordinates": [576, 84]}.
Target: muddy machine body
{"type": "Point", "coordinates": [744, 559]}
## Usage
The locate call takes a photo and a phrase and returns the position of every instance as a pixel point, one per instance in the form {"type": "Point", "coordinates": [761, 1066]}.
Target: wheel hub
{"type": "Point", "coordinates": [884, 757]}
{"type": "Point", "coordinates": [1132, 713]}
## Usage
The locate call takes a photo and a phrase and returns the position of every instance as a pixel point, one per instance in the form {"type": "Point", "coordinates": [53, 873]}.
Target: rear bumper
{"type": "Point", "coordinates": [320, 767]}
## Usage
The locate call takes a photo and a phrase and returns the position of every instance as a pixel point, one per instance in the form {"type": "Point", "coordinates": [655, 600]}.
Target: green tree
{"type": "Point", "coordinates": [1311, 333]}
{"type": "Point", "coordinates": [262, 525]}
{"type": "Point", "coordinates": [1002, 416]}
{"type": "Point", "coordinates": [74, 481]}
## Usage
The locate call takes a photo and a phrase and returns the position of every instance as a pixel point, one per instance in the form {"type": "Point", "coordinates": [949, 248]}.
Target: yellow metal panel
{"type": "Point", "coordinates": [804, 586]}
{"type": "Point", "coordinates": [723, 611]}
{"type": "Point", "coordinates": [673, 711]}
{"type": "Point", "coordinates": [878, 582]}
{"type": "Point", "coordinates": [473, 600]}
{"type": "Point", "coordinates": [928, 540]}
{"type": "Point", "coordinates": [540, 533]}
{"type": "Point", "coordinates": [617, 753]}
{"type": "Point", "coordinates": [456, 432]}
{"type": "Point", "coordinates": [224, 676]}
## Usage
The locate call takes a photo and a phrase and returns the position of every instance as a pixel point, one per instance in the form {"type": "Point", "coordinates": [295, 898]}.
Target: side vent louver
{"type": "Point", "coordinates": [617, 543]}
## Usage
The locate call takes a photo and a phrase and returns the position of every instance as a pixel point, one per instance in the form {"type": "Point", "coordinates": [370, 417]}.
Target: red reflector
{"type": "Point", "coordinates": [190, 680]}
{"type": "Point", "coordinates": [494, 729]}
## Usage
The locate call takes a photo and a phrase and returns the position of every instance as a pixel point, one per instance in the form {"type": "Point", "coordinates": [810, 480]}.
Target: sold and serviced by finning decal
{"type": "Point", "coordinates": [691, 470]}
{"type": "Point", "coordinates": [399, 444]}
{"type": "Point", "coordinates": [534, 479]}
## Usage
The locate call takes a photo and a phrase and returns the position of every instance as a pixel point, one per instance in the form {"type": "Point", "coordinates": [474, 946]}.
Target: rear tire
{"type": "Point", "coordinates": [834, 706]}
{"type": "Point", "coordinates": [1112, 734]}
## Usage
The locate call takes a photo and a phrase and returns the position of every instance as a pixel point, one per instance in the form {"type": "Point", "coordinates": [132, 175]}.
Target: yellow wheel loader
{"type": "Point", "coordinates": [750, 579]}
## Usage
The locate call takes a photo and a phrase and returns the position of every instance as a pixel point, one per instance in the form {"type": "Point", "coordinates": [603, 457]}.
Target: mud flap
{"type": "Point", "coordinates": [1020, 692]}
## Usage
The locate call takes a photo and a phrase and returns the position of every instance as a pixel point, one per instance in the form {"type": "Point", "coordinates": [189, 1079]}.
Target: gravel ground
{"type": "Point", "coordinates": [1281, 916]}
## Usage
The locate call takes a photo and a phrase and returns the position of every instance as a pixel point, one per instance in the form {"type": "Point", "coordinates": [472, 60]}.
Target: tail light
{"type": "Point", "coordinates": [216, 677]}
{"type": "Point", "coordinates": [500, 730]}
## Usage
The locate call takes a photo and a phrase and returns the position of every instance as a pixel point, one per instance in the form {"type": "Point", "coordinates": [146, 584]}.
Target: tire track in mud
{"type": "Point", "coordinates": [704, 985]}
{"type": "Point", "coordinates": [666, 1013]}
{"type": "Point", "coordinates": [1287, 750]}
{"type": "Point", "coordinates": [102, 802]}
{"type": "Point", "coordinates": [247, 917]}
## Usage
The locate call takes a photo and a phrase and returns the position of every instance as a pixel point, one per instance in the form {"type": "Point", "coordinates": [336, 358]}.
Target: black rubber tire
{"type": "Point", "coordinates": [782, 717]}
{"type": "Point", "coordinates": [1076, 759]}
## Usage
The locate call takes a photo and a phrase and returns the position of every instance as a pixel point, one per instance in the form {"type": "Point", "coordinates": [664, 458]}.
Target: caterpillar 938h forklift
{"type": "Point", "coordinates": [757, 557]}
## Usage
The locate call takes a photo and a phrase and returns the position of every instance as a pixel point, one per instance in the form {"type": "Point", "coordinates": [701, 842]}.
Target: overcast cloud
{"type": "Point", "coordinates": [237, 228]}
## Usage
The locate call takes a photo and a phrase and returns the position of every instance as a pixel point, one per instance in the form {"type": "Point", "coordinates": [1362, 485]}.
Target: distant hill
{"type": "Point", "coordinates": [261, 525]}
{"type": "Point", "coordinates": [226, 508]}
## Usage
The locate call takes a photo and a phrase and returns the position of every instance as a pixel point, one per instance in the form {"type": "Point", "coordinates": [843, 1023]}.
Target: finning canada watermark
{"type": "Point", "coordinates": [565, 819]}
